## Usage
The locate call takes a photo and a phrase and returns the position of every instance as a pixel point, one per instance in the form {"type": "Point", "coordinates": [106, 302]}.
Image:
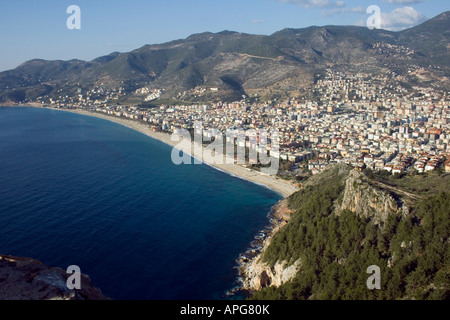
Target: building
{"type": "Point", "coordinates": [447, 166]}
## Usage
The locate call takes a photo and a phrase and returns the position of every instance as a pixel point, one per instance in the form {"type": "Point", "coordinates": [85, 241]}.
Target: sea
{"type": "Point", "coordinates": [84, 191]}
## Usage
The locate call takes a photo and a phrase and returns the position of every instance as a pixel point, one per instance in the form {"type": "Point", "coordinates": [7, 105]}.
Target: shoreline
{"type": "Point", "coordinates": [248, 279]}
{"type": "Point", "coordinates": [283, 188]}
{"type": "Point", "coordinates": [277, 216]}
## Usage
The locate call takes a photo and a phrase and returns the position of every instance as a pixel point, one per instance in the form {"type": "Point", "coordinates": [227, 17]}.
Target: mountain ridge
{"type": "Point", "coordinates": [237, 63]}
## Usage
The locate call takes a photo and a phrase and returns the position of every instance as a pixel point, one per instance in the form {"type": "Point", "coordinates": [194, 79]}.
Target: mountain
{"type": "Point", "coordinates": [431, 39]}
{"type": "Point", "coordinates": [241, 64]}
{"type": "Point", "coordinates": [342, 222]}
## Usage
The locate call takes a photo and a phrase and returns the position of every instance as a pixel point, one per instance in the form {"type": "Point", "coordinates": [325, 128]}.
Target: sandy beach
{"type": "Point", "coordinates": [280, 186]}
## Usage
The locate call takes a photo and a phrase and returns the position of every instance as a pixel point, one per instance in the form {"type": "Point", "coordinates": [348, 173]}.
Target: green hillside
{"type": "Point", "coordinates": [335, 247]}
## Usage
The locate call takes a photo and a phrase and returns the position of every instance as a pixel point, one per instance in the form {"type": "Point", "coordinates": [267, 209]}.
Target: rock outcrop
{"type": "Point", "coordinates": [359, 195]}
{"type": "Point", "coordinates": [257, 274]}
{"type": "Point", "coordinates": [28, 279]}
{"type": "Point", "coordinates": [366, 200]}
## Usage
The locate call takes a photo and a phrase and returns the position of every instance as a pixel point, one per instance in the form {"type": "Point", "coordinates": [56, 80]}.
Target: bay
{"type": "Point", "coordinates": [78, 190]}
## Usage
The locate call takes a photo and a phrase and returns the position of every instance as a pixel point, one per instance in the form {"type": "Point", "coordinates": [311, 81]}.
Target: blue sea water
{"type": "Point", "coordinates": [78, 190]}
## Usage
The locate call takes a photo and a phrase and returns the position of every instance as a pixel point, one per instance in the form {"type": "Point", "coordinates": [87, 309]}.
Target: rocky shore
{"type": "Point", "coordinates": [254, 274]}
{"type": "Point", "coordinates": [29, 279]}
{"type": "Point", "coordinates": [278, 217]}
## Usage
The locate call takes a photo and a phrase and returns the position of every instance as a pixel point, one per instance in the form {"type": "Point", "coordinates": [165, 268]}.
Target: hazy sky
{"type": "Point", "coordinates": [37, 29]}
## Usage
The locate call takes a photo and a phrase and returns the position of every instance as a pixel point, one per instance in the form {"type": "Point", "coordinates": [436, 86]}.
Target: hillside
{"type": "Point", "coordinates": [344, 221]}
{"type": "Point", "coordinates": [242, 64]}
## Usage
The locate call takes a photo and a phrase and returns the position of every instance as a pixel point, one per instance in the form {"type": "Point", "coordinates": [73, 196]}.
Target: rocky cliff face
{"type": "Point", "coordinates": [258, 274]}
{"type": "Point", "coordinates": [359, 195]}
{"type": "Point", "coordinates": [366, 200]}
{"type": "Point", "coordinates": [28, 279]}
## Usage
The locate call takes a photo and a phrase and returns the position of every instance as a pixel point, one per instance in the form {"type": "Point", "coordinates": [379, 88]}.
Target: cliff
{"type": "Point", "coordinates": [366, 200]}
{"type": "Point", "coordinates": [28, 279]}
{"type": "Point", "coordinates": [341, 222]}
{"type": "Point", "coordinates": [259, 274]}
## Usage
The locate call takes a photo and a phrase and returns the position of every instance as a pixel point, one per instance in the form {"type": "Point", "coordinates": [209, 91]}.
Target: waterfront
{"type": "Point", "coordinates": [85, 191]}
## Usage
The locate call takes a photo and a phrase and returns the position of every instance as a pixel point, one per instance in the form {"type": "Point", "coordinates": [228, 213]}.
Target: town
{"type": "Point", "coordinates": [363, 120]}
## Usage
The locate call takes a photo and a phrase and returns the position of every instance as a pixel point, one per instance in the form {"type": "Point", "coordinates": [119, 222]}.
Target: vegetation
{"type": "Point", "coordinates": [335, 250]}
{"type": "Point", "coordinates": [236, 63]}
{"type": "Point", "coordinates": [428, 183]}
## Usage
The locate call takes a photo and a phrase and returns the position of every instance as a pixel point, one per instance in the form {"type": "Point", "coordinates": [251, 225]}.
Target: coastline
{"type": "Point", "coordinates": [284, 188]}
{"type": "Point", "coordinates": [250, 266]}
{"type": "Point", "coordinates": [277, 217]}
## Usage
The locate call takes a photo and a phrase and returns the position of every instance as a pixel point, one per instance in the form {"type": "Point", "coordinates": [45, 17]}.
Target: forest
{"type": "Point", "coordinates": [336, 248]}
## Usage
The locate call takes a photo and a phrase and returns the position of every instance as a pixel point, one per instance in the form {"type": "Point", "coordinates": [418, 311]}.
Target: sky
{"type": "Point", "coordinates": [32, 29]}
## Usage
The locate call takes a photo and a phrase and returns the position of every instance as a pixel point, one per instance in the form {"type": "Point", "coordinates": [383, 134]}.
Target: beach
{"type": "Point", "coordinates": [278, 185]}
{"type": "Point", "coordinates": [101, 188]}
